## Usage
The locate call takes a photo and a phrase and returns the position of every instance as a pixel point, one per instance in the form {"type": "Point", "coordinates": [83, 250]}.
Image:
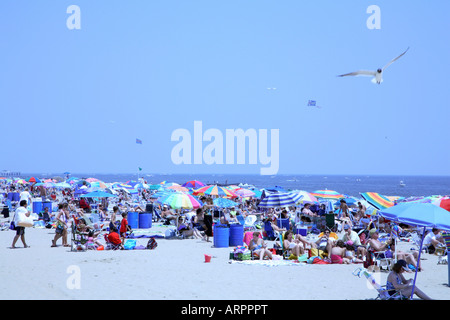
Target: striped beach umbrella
{"type": "Point", "coordinates": [377, 200]}
{"type": "Point", "coordinates": [307, 197]}
{"type": "Point", "coordinates": [180, 200]}
{"type": "Point", "coordinates": [444, 203]}
{"type": "Point", "coordinates": [327, 194]}
{"type": "Point", "coordinates": [215, 190]}
{"type": "Point", "coordinates": [33, 179]}
{"type": "Point", "coordinates": [193, 184]}
{"type": "Point", "coordinates": [280, 199]}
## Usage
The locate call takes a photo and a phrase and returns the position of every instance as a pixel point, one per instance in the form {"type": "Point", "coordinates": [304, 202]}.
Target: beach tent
{"type": "Point", "coordinates": [424, 215]}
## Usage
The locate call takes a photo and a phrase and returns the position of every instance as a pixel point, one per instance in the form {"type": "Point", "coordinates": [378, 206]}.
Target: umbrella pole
{"type": "Point", "coordinates": [418, 262]}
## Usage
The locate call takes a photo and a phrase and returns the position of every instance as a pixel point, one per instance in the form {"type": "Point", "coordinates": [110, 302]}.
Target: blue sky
{"type": "Point", "coordinates": [76, 100]}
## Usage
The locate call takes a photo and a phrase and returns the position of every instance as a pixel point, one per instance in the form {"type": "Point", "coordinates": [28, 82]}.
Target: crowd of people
{"type": "Point", "coordinates": [353, 236]}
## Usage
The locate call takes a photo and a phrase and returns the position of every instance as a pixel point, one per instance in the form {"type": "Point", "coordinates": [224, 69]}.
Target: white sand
{"type": "Point", "coordinates": [176, 270]}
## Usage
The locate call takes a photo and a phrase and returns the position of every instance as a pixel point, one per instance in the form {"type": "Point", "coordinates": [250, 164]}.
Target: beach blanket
{"type": "Point", "coordinates": [134, 236]}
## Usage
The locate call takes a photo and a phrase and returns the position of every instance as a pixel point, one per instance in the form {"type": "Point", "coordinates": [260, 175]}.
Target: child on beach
{"type": "Point", "coordinates": [337, 253]}
{"type": "Point", "coordinates": [92, 242]}
{"type": "Point", "coordinates": [124, 227]}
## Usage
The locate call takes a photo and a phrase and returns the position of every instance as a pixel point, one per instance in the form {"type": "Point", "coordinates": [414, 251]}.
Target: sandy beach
{"type": "Point", "coordinates": [176, 270]}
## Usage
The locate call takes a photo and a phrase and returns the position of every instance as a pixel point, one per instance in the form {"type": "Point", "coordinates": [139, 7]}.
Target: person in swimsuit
{"type": "Point", "coordinates": [397, 282]}
{"type": "Point", "coordinates": [293, 245]}
{"type": "Point", "coordinates": [258, 246]}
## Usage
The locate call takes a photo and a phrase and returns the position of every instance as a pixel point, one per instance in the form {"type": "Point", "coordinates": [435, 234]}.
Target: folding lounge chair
{"type": "Point", "coordinates": [78, 240]}
{"type": "Point", "coordinates": [249, 224]}
{"type": "Point", "coordinates": [383, 292]}
{"type": "Point", "coordinates": [379, 259]}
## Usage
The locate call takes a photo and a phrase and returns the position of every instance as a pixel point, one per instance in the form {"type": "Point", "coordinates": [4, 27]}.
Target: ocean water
{"type": "Point", "coordinates": [349, 185]}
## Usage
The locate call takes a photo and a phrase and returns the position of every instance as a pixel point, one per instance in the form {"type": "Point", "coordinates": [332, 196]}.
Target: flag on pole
{"type": "Point", "coordinates": [138, 141]}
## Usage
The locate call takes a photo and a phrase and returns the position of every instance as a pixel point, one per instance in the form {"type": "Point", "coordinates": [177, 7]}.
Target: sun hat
{"type": "Point", "coordinates": [372, 231]}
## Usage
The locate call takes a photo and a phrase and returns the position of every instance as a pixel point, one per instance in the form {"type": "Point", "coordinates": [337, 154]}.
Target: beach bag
{"type": "Point", "coordinates": [59, 229]}
{"type": "Point", "coordinates": [25, 221]}
{"type": "Point", "coordinates": [129, 244]}
{"type": "Point", "coordinates": [152, 244]}
{"type": "Point", "coordinates": [12, 226]}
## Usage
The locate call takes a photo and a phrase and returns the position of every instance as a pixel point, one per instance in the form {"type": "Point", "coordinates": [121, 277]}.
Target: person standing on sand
{"type": "Point", "coordinates": [20, 231]}
{"type": "Point", "coordinates": [61, 224]}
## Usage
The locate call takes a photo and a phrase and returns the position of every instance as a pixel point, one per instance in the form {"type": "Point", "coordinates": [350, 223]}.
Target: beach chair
{"type": "Point", "coordinates": [78, 240]}
{"type": "Point", "coordinates": [281, 250]}
{"type": "Point", "coordinates": [383, 293]}
{"type": "Point", "coordinates": [249, 223]}
{"type": "Point", "coordinates": [417, 239]}
{"type": "Point", "coordinates": [110, 245]}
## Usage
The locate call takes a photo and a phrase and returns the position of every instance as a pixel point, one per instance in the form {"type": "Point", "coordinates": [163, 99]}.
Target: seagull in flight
{"type": "Point", "coordinates": [378, 75]}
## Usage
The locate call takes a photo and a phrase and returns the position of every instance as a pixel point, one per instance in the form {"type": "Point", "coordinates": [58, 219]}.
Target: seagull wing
{"type": "Point", "coordinates": [392, 61]}
{"type": "Point", "coordinates": [360, 73]}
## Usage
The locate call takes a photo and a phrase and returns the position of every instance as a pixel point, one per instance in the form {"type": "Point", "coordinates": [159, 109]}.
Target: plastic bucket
{"type": "Point", "coordinates": [236, 235]}
{"type": "Point", "coordinates": [145, 220]}
{"type": "Point", "coordinates": [133, 219]}
{"type": "Point", "coordinates": [221, 236]}
{"type": "Point", "coordinates": [207, 258]}
{"type": "Point", "coordinates": [37, 206]}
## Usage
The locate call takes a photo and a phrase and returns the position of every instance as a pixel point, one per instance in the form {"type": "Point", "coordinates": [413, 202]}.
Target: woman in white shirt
{"type": "Point", "coordinates": [20, 231]}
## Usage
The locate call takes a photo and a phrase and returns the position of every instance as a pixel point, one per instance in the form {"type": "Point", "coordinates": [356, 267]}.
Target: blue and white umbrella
{"type": "Point", "coordinates": [280, 200]}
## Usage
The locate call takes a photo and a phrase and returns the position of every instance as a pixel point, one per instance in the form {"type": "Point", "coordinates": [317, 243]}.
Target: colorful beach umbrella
{"type": "Point", "coordinates": [327, 194]}
{"type": "Point", "coordinates": [280, 199]}
{"type": "Point", "coordinates": [180, 200]}
{"type": "Point", "coordinates": [178, 188]}
{"type": "Point", "coordinates": [224, 203]}
{"type": "Point", "coordinates": [307, 197]}
{"type": "Point", "coordinates": [377, 200]}
{"type": "Point", "coordinates": [444, 203]}
{"type": "Point", "coordinates": [33, 179]}
{"type": "Point", "coordinates": [193, 184]}
{"type": "Point", "coordinates": [244, 193]}
{"type": "Point", "coordinates": [99, 184]}
{"type": "Point", "coordinates": [215, 190]}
